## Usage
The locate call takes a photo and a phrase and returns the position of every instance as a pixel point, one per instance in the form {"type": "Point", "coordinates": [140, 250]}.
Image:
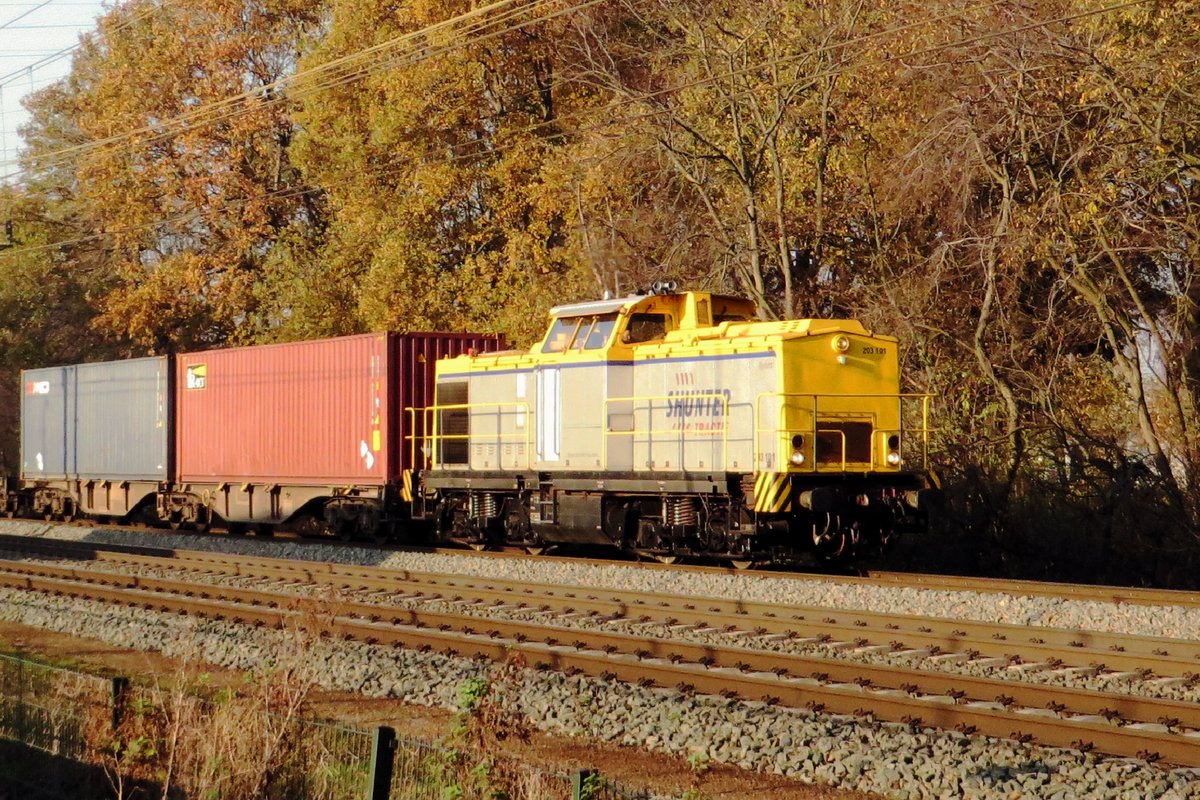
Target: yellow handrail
{"type": "Point", "coordinates": [780, 433]}
{"type": "Point", "coordinates": [649, 432]}
{"type": "Point", "coordinates": [435, 438]}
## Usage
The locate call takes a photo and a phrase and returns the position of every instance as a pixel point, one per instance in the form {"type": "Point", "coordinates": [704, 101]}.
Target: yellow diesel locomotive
{"type": "Point", "coordinates": [676, 424]}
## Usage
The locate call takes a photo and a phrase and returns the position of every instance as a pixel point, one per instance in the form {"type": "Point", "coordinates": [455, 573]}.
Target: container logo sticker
{"type": "Point", "coordinates": [197, 376]}
{"type": "Point", "coordinates": [365, 454]}
{"type": "Point", "coordinates": [38, 387]}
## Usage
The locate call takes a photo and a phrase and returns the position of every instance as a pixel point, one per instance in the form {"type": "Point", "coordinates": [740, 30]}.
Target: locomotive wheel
{"type": "Point", "coordinates": [741, 565]}
{"type": "Point", "coordinates": [667, 559]}
{"type": "Point", "coordinates": [832, 540]}
{"type": "Point", "coordinates": [382, 532]}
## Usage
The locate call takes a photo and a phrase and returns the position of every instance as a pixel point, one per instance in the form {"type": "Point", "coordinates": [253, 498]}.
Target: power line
{"type": "Point", "coordinates": [66, 51]}
{"type": "Point", "coordinates": [493, 148]}
{"type": "Point", "coordinates": [53, 26]}
{"type": "Point", "coordinates": [196, 115]}
{"type": "Point", "coordinates": [25, 14]}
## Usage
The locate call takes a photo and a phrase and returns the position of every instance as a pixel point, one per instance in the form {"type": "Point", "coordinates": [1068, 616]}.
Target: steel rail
{"type": "Point", "coordinates": [929, 682]}
{"type": "Point", "coordinates": [642, 666]}
{"type": "Point", "coordinates": [1114, 651]}
{"type": "Point", "coordinates": [1065, 591]}
{"type": "Point", "coordinates": [931, 582]}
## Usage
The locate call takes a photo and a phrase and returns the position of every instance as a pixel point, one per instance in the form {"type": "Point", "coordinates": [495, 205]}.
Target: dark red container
{"type": "Point", "coordinates": [330, 411]}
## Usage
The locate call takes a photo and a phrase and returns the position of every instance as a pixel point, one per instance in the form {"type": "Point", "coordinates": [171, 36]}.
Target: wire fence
{"type": "Point", "coordinates": [61, 713]}
{"type": "Point", "coordinates": [427, 771]}
{"type": "Point", "coordinates": [338, 759]}
{"type": "Point", "coordinates": [48, 707]}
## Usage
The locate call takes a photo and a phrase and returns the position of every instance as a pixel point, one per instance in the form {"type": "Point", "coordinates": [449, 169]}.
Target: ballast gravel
{"type": "Point", "coordinates": [1089, 679]}
{"type": "Point", "coordinates": [846, 751]}
{"type": "Point", "coordinates": [1165, 621]}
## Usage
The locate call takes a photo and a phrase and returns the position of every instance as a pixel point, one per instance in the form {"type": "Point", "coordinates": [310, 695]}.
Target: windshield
{"type": "Point", "coordinates": [589, 332]}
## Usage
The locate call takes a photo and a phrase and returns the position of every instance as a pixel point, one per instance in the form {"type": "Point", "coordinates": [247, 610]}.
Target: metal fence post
{"type": "Point", "coordinates": [383, 753]}
{"type": "Point", "coordinates": [582, 781]}
{"type": "Point", "coordinates": [120, 693]}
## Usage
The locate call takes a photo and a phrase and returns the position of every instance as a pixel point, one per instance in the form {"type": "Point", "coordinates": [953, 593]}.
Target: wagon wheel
{"type": "Point", "coordinates": [741, 565]}
{"type": "Point", "coordinates": [68, 514]}
{"type": "Point", "coordinates": [382, 532]}
{"type": "Point", "coordinates": [346, 530]}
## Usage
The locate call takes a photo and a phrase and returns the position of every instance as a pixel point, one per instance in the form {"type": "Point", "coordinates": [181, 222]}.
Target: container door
{"type": "Point", "coordinates": [47, 423]}
{"type": "Point", "coordinates": [549, 414]}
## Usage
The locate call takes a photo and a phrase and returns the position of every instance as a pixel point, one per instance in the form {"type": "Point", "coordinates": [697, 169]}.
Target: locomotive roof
{"type": "Point", "coordinates": [595, 306]}
{"type": "Point", "coordinates": [620, 303]}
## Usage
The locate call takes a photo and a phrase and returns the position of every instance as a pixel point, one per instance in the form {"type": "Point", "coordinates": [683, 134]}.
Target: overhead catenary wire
{"type": "Point", "coordinates": [48, 57]}
{"type": "Point", "coordinates": [479, 32]}
{"type": "Point", "coordinates": [194, 120]}
{"type": "Point", "coordinates": [196, 116]}
{"type": "Point", "coordinates": [56, 55]}
{"type": "Point", "coordinates": [494, 148]}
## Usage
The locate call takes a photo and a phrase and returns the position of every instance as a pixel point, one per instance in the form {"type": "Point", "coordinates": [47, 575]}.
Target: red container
{"type": "Point", "coordinates": [330, 411]}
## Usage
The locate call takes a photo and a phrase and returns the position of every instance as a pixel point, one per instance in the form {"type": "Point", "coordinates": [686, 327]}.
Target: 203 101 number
{"type": "Point", "coordinates": [874, 351]}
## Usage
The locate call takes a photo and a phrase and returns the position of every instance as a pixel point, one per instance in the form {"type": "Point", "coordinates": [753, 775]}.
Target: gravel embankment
{"type": "Point", "coordinates": [1090, 679]}
{"type": "Point", "coordinates": [849, 752]}
{"type": "Point", "coordinates": [1164, 621]}
{"type": "Point", "coordinates": [845, 751]}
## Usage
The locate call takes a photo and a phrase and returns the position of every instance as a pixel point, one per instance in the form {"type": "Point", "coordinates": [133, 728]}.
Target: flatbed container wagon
{"type": "Point", "coordinates": [267, 434]}
{"type": "Point", "coordinates": [94, 437]}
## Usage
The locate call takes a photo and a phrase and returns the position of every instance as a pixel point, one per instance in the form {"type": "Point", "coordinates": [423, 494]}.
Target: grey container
{"type": "Point", "coordinates": [109, 420]}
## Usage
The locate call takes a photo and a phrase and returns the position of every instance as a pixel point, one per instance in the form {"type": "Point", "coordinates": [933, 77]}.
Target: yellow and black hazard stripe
{"type": "Point", "coordinates": [406, 487]}
{"type": "Point", "coordinates": [772, 493]}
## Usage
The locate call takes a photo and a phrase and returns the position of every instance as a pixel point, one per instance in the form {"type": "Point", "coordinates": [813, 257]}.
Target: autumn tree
{"type": "Point", "coordinates": [185, 192]}
{"type": "Point", "coordinates": [440, 168]}
{"type": "Point", "coordinates": [748, 113]}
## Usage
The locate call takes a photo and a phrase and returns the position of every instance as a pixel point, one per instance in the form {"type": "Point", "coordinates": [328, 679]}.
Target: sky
{"type": "Point", "coordinates": [33, 38]}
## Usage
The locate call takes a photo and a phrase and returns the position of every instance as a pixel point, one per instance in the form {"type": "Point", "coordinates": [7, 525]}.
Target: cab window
{"type": "Point", "coordinates": [597, 335]}
{"type": "Point", "coordinates": [562, 333]}
{"type": "Point", "coordinates": [644, 328]}
{"type": "Point", "coordinates": [580, 333]}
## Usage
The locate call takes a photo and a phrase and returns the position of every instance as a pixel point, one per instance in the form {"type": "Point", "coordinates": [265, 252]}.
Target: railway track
{"type": "Point", "coordinates": [1023, 646]}
{"type": "Point", "coordinates": [741, 657]}
{"type": "Point", "coordinates": [931, 582]}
